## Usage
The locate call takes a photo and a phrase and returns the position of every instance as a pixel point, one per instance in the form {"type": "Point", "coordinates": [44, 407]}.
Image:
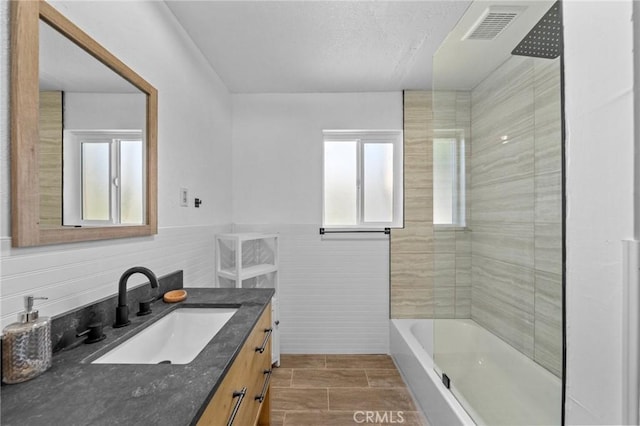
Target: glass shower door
{"type": "Point", "coordinates": [498, 273]}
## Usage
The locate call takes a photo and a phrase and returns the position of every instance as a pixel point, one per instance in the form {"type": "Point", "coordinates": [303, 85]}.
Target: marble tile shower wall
{"type": "Point", "coordinates": [411, 248]}
{"type": "Point", "coordinates": [452, 246]}
{"type": "Point", "coordinates": [430, 267]}
{"type": "Point", "coordinates": [515, 200]}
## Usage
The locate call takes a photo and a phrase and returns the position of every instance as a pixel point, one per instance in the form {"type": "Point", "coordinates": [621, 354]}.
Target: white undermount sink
{"type": "Point", "coordinates": [176, 338]}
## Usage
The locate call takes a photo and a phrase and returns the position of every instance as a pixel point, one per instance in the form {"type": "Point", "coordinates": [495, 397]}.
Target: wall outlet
{"type": "Point", "coordinates": [184, 197]}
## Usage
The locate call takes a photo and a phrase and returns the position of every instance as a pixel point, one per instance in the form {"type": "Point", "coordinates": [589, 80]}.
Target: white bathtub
{"type": "Point", "coordinates": [501, 384]}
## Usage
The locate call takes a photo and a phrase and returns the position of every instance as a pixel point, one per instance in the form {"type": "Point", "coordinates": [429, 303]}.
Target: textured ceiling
{"type": "Point", "coordinates": [319, 46]}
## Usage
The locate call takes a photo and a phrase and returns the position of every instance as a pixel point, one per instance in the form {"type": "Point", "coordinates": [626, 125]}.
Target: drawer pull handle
{"type": "Point", "coordinates": [260, 397]}
{"type": "Point", "coordinates": [240, 395]}
{"type": "Point", "coordinates": [266, 339]}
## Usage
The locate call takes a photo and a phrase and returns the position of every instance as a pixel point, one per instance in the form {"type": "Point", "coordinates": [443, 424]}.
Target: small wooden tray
{"type": "Point", "coordinates": [175, 296]}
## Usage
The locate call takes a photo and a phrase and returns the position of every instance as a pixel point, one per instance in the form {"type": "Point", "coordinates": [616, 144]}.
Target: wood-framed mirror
{"type": "Point", "coordinates": [50, 205]}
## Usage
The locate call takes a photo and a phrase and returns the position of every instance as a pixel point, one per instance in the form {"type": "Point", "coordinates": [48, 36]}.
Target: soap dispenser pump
{"type": "Point", "coordinates": [26, 345]}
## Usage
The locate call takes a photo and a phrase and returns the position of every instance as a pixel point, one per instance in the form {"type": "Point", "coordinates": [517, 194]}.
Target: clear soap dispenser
{"type": "Point", "coordinates": [26, 345]}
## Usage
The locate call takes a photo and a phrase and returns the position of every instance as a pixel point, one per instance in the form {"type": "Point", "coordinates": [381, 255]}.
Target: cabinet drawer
{"type": "Point", "coordinates": [243, 382]}
{"type": "Point", "coordinates": [260, 367]}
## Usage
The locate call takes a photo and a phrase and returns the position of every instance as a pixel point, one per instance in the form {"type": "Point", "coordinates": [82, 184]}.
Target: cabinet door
{"type": "Point", "coordinates": [236, 396]}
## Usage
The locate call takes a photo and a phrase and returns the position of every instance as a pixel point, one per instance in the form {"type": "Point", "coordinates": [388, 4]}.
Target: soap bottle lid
{"type": "Point", "coordinates": [29, 314]}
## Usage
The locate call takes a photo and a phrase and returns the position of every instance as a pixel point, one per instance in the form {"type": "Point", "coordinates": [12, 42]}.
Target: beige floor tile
{"type": "Point", "coordinates": [370, 399]}
{"type": "Point", "coordinates": [298, 399]}
{"type": "Point", "coordinates": [328, 390]}
{"type": "Point", "coordinates": [404, 418]}
{"type": "Point", "coordinates": [348, 418]}
{"type": "Point", "coordinates": [320, 418]}
{"type": "Point", "coordinates": [281, 377]}
{"type": "Point", "coordinates": [277, 418]}
{"type": "Point", "coordinates": [302, 361]}
{"type": "Point", "coordinates": [360, 361]}
{"type": "Point", "coordinates": [327, 378]}
{"type": "Point", "coordinates": [385, 378]}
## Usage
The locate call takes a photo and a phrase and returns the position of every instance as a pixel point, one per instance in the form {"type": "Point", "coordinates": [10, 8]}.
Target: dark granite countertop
{"type": "Point", "coordinates": [75, 392]}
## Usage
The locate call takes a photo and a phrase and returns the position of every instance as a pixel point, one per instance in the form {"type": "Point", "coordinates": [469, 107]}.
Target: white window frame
{"type": "Point", "coordinates": [363, 137]}
{"type": "Point", "coordinates": [459, 196]}
{"type": "Point", "coordinates": [72, 196]}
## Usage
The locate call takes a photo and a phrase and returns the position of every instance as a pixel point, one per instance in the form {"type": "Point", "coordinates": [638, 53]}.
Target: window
{"type": "Point", "coordinates": [103, 178]}
{"type": "Point", "coordinates": [362, 179]}
{"type": "Point", "coordinates": [448, 179]}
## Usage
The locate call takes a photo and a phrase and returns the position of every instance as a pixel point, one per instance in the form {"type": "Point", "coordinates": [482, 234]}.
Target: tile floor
{"type": "Point", "coordinates": [337, 390]}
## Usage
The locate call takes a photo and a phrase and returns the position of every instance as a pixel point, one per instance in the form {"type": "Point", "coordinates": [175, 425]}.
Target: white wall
{"type": "Point", "coordinates": [194, 151]}
{"type": "Point", "coordinates": [103, 111]}
{"type": "Point", "coordinates": [277, 149]}
{"type": "Point", "coordinates": [334, 294]}
{"type": "Point", "coordinates": [599, 170]}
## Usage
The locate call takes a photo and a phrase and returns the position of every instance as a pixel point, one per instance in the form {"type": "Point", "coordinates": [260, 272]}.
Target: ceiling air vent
{"type": "Point", "coordinates": [492, 22]}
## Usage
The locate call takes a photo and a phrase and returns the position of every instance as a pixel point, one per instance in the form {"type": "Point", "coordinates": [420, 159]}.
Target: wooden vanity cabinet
{"type": "Point", "coordinates": [245, 387]}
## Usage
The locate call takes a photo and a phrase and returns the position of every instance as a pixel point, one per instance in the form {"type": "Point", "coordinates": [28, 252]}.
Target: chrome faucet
{"type": "Point", "coordinates": [122, 311]}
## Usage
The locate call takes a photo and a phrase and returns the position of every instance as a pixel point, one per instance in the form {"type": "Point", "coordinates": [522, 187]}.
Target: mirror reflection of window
{"type": "Point", "coordinates": [108, 166]}
{"type": "Point", "coordinates": [131, 182]}
{"type": "Point", "coordinates": [96, 176]}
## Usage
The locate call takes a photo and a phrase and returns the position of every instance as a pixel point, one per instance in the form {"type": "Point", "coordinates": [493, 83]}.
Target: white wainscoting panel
{"type": "Point", "coordinates": [334, 291]}
{"type": "Point", "coordinates": [72, 275]}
